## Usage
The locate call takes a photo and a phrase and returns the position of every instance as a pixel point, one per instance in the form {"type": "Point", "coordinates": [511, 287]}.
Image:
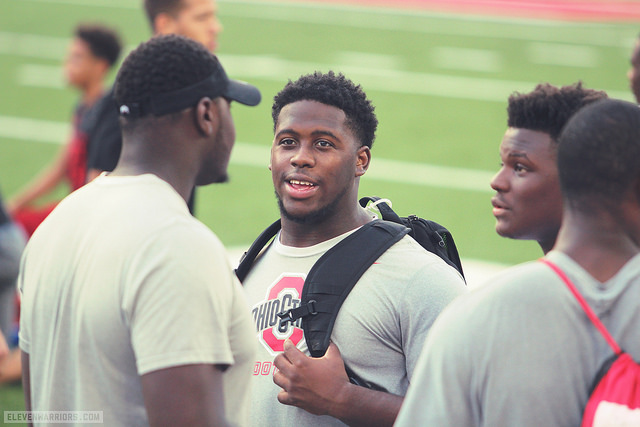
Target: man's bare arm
{"type": "Point", "coordinates": [190, 395]}
{"type": "Point", "coordinates": [26, 381]}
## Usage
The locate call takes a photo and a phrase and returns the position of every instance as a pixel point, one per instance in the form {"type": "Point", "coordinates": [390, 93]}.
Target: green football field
{"type": "Point", "coordinates": [439, 83]}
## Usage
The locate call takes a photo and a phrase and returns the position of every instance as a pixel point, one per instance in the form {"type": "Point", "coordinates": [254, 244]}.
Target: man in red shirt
{"type": "Point", "coordinates": [92, 53]}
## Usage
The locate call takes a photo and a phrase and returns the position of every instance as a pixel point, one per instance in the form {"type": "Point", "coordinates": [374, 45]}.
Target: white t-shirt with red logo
{"type": "Point", "coordinates": [379, 330]}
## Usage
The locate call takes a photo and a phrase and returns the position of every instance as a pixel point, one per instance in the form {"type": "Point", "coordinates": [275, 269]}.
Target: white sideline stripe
{"type": "Point", "coordinates": [34, 130]}
{"type": "Point", "coordinates": [34, 46]}
{"type": "Point", "coordinates": [386, 80]}
{"type": "Point", "coordinates": [277, 69]}
{"type": "Point", "coordinates": [387, 18]}
{"type": "Point", "coordinates": [562, 54]}
{"type": "Point", "coordinates": [476, 272]}
{"type": "Point", "coordinates": [36, 75]}
{"type": "Point", "coordinates": [459, 58]}
{"type": "Point", "coordinates": [254, 155]}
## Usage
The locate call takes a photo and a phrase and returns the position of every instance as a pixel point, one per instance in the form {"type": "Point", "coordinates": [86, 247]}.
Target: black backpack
{"type": "Point", "coordinates": [432, 236]}
{"type": "Point", "coordinates": [322, 295]}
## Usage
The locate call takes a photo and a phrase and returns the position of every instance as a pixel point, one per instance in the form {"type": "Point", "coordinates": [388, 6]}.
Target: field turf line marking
{"type": "Point", "coordinates": [275, 69]}
{"type": "Point", "coordinates": [254, 155]}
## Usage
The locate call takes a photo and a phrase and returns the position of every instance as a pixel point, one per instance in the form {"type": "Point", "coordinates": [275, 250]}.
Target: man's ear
{"type": "Point", "coordinates": [271, 154]}
{"type": "Point", "coordinates": [363, 160]}
{"type": "Point", "coordinates": [206, 116]}
{"type": "Point", "coordinates": [164, 24]}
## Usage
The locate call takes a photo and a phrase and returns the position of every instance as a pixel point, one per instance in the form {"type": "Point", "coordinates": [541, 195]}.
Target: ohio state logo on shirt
{"type": "Point", "coordinates": [282, 295]}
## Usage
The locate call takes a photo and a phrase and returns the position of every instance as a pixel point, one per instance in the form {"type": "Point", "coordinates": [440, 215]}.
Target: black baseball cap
{"type": "Point", "coordinates": [217, 84]}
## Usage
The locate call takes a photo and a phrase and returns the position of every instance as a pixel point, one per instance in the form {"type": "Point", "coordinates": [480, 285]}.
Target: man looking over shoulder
{"type": "Point", "coordinates": [528, 204]}
{"type": "Point", "coordinates": [324, 128]}
{"type": "Point", "coordinates": [151, 326]}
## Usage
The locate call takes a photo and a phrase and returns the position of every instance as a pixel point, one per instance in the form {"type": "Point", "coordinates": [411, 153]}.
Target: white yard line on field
{"type": "Point", "coordinates": [254, 155]}
{"type": "Point", "coordinates": [277, 69]}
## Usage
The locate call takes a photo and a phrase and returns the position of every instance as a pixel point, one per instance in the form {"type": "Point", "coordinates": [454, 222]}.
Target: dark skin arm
{"type": "Point", "coordinates": [26, 382]}
{"type": "Point", "coordinates": [321, 386]}
{"type": "Point", "coordinates": [183, 395]}
{"type": "Point", "coordinates": [189, 395]}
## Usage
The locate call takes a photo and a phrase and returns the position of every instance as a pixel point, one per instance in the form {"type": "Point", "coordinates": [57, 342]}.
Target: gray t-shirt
{"type": "Point", "coordinates": [519, 351]}
{"type": "Point", "coordinates": [120, 281]}
{"type": "Point", "coordinates": [379, 330]}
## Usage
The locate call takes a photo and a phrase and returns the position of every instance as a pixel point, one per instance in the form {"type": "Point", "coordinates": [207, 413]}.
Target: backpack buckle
{"type": "Point", "coordinates": [294, 314]}
{"type": "Point", "coordinates": [285, 316]}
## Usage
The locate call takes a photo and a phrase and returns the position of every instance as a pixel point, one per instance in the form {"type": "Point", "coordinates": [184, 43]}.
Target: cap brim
{"type": "Point", "coordinates": [243, 93]}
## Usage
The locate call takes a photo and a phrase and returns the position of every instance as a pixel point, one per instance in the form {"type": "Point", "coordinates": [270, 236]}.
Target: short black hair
{"type": "Point", "coordinates": [154, 8]}
{"type": "Point", "coordinates": [599, 154]}
{"type": "Point", "coordinates": [103, 42]}
{"type": "Point", "coordinates": [162, 64]}
{"type": "Point", "coordinates": [548, 108]}
{"type": "Point", "coordinates": [334, 90]}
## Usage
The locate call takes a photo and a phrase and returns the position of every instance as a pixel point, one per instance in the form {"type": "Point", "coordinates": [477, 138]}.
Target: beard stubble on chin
{"type": "Point", "coordinates": [312, 217]}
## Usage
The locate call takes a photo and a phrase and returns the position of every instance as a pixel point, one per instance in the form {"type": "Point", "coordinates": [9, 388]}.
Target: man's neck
{"type": "Point", "coordinates": [600, 245]}
{"type": "Point", "coordinates": [163, 158]}
{"type": "Point", "coordinates": [92, 93]}
{"type": "Point", "coordinates": [303, 235]}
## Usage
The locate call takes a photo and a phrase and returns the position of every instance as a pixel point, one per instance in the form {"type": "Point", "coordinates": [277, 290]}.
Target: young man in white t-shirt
{"type": "Point", "coordinates": [129, 304]}
{"type": "Point", "coordinates": [324, 129]}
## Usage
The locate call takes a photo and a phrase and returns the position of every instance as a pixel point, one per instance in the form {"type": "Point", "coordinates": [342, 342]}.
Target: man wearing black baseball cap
{"type": "Point", "coordinates": [130, 307]}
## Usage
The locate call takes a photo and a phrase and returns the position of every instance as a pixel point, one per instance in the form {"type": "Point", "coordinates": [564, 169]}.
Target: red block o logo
{"type": "Point", "coordinates": [286, 290]}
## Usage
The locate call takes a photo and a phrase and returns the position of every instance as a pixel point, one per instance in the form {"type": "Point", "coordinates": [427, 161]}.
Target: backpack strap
{"type": "Point", "coordinates": [386, 211]}
{"type": "Point", "coordinates": [246, 262]}
{"type": "Point", "coordinates": [585, 306]}
{"type": "Point", "coordinates": [334, 275]}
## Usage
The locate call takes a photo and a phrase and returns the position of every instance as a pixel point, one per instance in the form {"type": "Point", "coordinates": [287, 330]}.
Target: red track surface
{"type": "Point", "coordinates": [584, 10]}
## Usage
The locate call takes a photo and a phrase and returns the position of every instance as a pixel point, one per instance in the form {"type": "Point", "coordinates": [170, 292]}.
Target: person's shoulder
{"type": "Point", "coordinates": [106, 105]}
{"type": "Point", "coordinates": [188, 229]}
{"type": "Point", "coordinates": [527, 284]}
{"type": "Point", "coordinates": [408, 247]}
{"type": "Point", "coordinates": [416, 271]}
{"type": "Point", "coordinates": [103, 112]}
{"type": "Point", "coordinates": [410, 255]}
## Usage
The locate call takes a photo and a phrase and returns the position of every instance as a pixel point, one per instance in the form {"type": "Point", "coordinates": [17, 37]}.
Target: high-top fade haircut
{"type": "Point", "coordinates": [598, 155]}
{"type": "Point", "coordinates": [548, 108]}
{"type": "Point", "coordinates": [160, 65]}
{"type": "Point", "coordinates": [334, 90]}
{"type": "Point", "coordinates": [103, 42]}
{"type": "Point", "coordinates": [154, 8]}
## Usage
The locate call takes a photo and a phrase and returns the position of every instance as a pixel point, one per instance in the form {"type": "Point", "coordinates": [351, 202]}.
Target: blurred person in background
{"type": "Point", "coordinates": [12, 241]}
{"type": "Point", "coordinates": [528, 204]}
{"type": "Point", "coordinates": [93, 51]}
{"type": "Point", "coordinates": [194, 19]}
